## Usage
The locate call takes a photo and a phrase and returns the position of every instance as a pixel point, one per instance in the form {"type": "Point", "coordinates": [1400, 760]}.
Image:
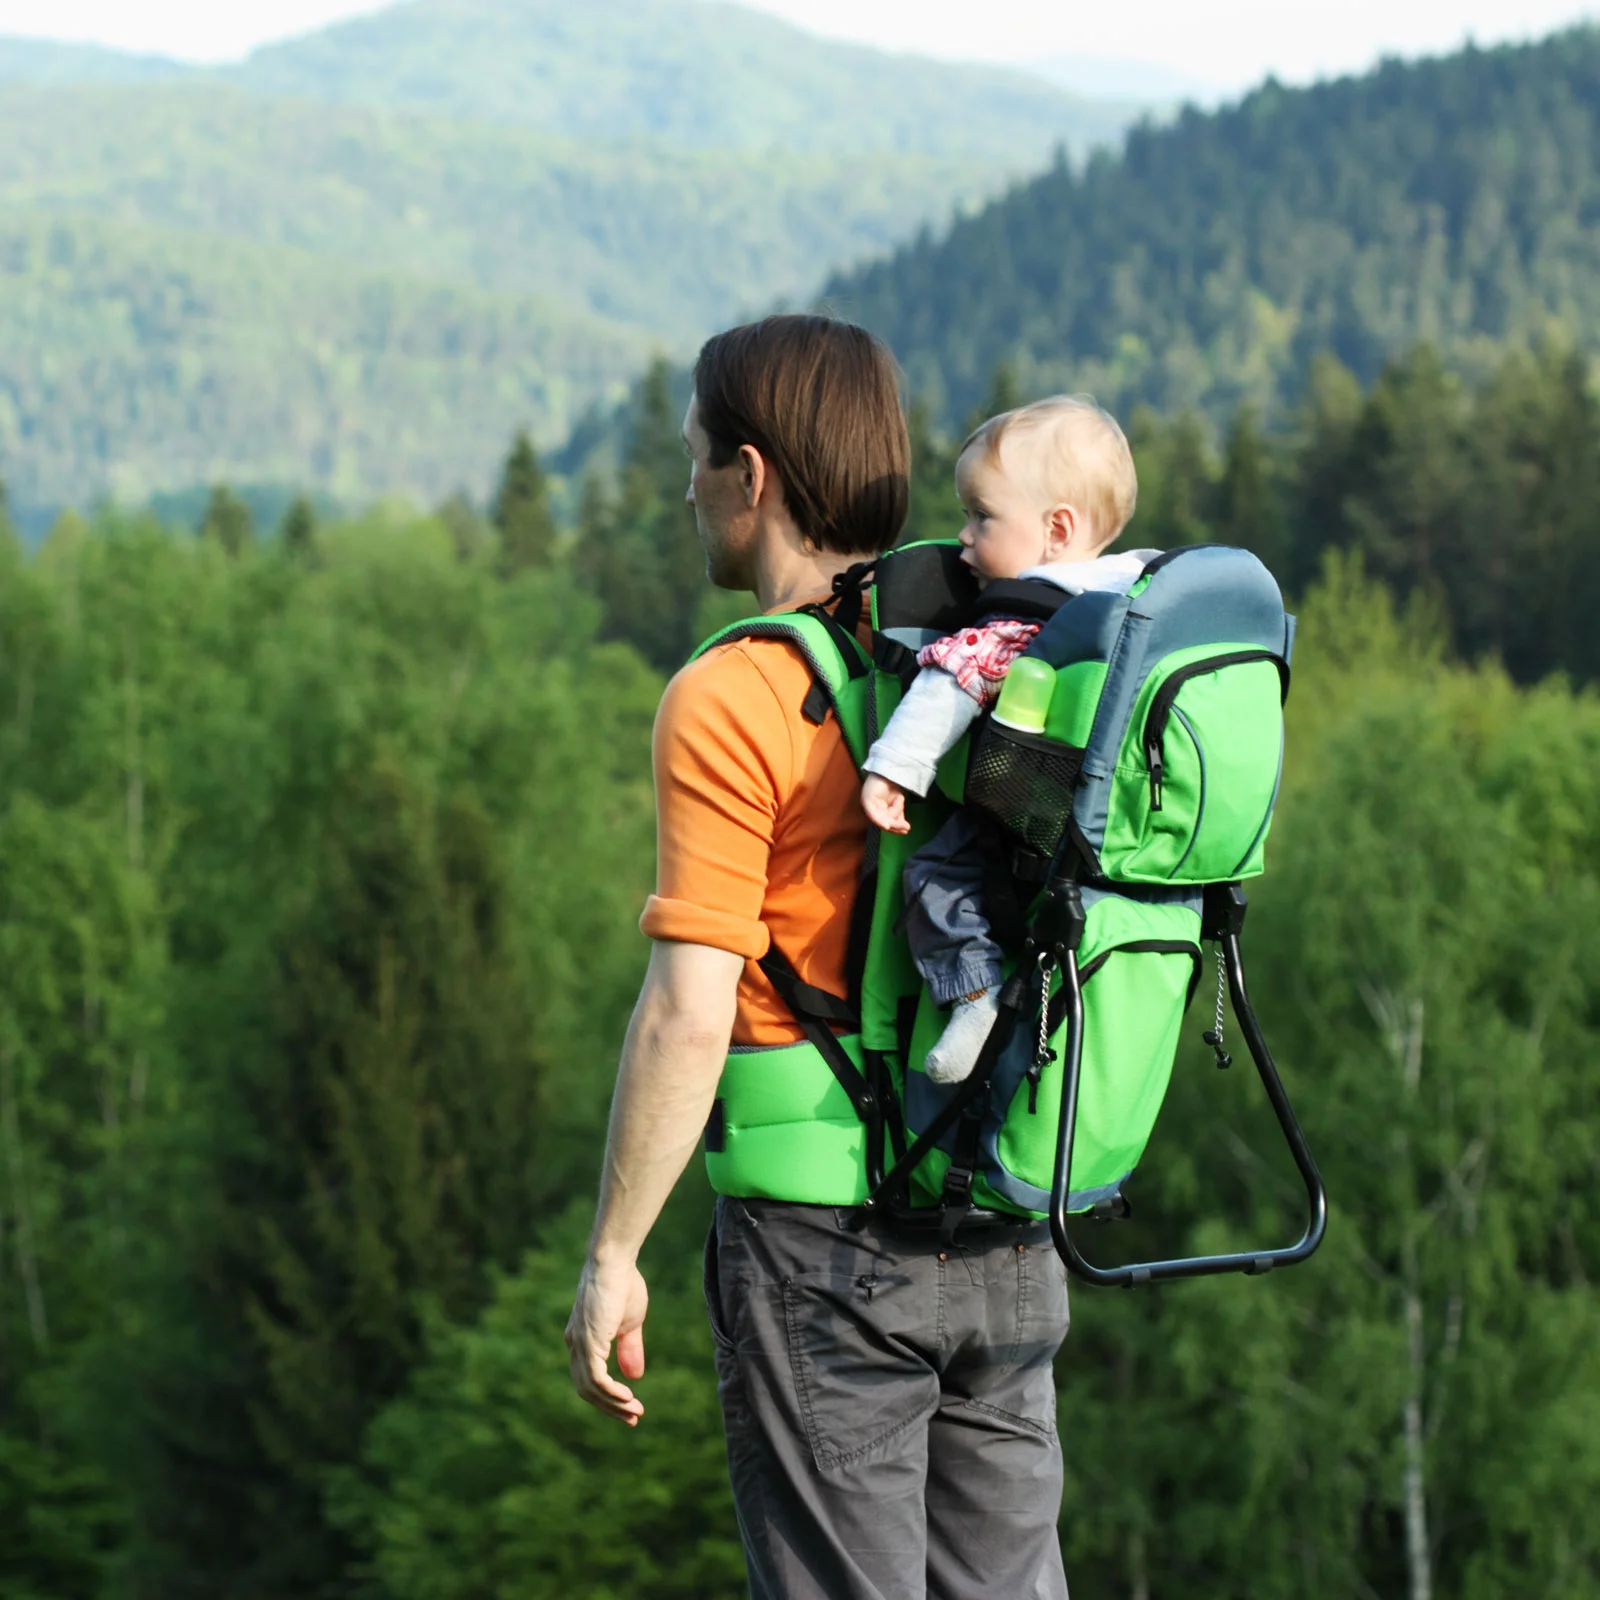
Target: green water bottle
{"type": "Point", "coordinates": [1024, 702]}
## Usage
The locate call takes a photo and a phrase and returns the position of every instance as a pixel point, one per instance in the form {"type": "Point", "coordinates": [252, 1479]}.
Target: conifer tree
{"type": "Point", "coordinates": [1248, 513]}
{"type": "Point", "coordinates": [933, 511]}
{"type": "Point", "coordinates": [1005, 394]}
{"type": "Point", "coordinates": [299, 529]}
{"type": "Point", "coordinates": [227, 520]}
{"type": "Point", "coordinates": [522, 510]}
{"type": "Point", "coordinates": [642, 557]}
{"type": "Point", "coordinates": [469, 530]}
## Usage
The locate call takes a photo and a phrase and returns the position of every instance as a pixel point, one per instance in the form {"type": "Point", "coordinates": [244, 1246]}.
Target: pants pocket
{"type": "Point", "coordinates": [1023, 1387]}
{"type": "Point", "coordinates": [712, 1282]}
{"type": "Point", "coordinates": [855, 1346]}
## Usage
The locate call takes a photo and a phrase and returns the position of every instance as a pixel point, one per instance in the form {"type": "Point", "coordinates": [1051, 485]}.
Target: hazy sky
{"type": "Point", "coordinates": [1230, 43]}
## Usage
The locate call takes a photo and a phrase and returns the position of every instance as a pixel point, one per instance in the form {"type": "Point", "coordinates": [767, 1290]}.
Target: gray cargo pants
{"type": "Point", "coordinates": [889, 1404]}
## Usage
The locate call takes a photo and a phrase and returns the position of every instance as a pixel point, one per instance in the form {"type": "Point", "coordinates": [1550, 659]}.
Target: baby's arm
{"type": "Point", "coordinates": [928, 722]}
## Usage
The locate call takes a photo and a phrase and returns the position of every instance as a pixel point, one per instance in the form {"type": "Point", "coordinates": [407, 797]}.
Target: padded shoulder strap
{"type": "Point", "coordinates": [839, 666]}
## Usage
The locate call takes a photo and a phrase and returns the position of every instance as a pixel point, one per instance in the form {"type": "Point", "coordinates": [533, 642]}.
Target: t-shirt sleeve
{"type": "Point", "coordinates": [723, 761]}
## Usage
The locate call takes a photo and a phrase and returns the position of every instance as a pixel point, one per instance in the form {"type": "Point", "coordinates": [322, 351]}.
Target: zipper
{"type": "Point", "coordinates": [1155, 722]}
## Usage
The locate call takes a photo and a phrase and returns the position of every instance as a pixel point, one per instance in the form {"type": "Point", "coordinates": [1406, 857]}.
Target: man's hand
{"type": "Point", "coordinates": [884, 802]}
{"type": "Point", "coordinates": [610, 1307]}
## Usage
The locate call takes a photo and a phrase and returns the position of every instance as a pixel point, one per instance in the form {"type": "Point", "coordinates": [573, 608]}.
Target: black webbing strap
{"type": "Point", "coordinates": [1013, 997]}
{"type": "Point", "coordinates": [849, 590]}
{"type": "Point", "coordinates": [817, 703]}
{"type": "Point", "coordinates": [955, 1198]}
{"type": "Point", "coordinates": [890, 656]}
{"type": "Point", "coordinates": [844, 615]}
{"type": "Point", "coordinates": [814, 1009]}
{"type": "Point", "coordinates": [1004, 906]}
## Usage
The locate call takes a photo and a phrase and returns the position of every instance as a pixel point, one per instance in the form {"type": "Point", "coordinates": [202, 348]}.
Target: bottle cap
{"type": "Point", "coordinates": [1025, 695]}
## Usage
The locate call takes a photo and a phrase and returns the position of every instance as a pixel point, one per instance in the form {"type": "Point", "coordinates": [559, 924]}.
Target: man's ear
{"type": "Point", "coordinates": [753, 475]}
{"type": "Point", "coordinates": [1066, 533]}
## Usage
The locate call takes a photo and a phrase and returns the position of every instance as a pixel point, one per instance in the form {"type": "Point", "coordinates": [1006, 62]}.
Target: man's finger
{"type": "Point", "coordinates": [596, 1385]}
{"type": "Point", "coordinates": [630, 1353]}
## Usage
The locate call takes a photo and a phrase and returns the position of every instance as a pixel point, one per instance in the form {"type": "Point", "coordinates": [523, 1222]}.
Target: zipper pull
{"type": "Point", "coordinates": [1158, 774]}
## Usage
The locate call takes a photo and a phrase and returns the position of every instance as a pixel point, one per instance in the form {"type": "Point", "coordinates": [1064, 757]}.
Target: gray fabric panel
{"type": "Point", "coordinates": [1085, 630]}
{"type": "Point", "coordinates": [912, 638]}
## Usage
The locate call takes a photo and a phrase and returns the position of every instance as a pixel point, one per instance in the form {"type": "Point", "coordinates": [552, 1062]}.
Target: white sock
{"type": "Point", "coordinates": [961, 1043]}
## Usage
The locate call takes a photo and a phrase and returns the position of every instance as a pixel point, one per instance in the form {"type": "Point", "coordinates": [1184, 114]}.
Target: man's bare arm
{"type": "Point", "coordinates": [671, 1062]}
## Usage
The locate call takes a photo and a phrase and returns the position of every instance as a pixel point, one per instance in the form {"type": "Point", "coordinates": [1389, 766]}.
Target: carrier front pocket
{"type": "Point", "coordinates": [1196, 779]}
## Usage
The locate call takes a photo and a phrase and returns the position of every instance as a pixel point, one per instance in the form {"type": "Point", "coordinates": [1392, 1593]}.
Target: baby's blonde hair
{"type": "Point", "coordinates": [1070, 450]}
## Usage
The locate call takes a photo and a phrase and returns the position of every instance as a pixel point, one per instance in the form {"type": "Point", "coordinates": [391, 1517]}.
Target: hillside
{"type": "Point", "coordinates": [46, 62]}
{"type": "Point", "coordinates": [1448, 200]}
{"type": "Point", "coordinates": [698, 74]}
{"type": "Point", "coordinates": [201, 274]}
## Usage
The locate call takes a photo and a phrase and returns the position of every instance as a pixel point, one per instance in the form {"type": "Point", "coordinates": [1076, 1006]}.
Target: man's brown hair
{"type": "Point", "coordinates": [820, 399]}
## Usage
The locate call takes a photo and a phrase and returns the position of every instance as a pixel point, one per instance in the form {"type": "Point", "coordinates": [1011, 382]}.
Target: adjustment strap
{"type": "Point", "coordinates": [848, 587]}
{"type": "Point", "coordinates": [817, 703]}
{"type": "Point", "coordinates": [890, 656]}
{"type": "Point", "coordinates": [850, 652]}
{"type": "Point", "coordinates": [955, 1199]}
{"type": "Point", "coordinates": [814, 1009]}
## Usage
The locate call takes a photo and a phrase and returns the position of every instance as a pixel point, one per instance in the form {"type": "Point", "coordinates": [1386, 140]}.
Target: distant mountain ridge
{"type": "Point", "coordinates": [1453, 200]}
{"type": "Point", "coordinates": [702, 74]}
{"type": "Point", "coordinates": [360, 258]}
{"type": "Point", "coordinates": [46, 63]}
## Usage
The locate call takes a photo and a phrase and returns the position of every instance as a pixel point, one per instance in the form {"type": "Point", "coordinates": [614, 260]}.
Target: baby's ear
{"type": "Point", "coordinates": [1067, 534]}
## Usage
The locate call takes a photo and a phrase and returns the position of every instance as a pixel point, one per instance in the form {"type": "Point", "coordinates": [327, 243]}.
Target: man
{"type": "Point", "coordinates": [888, 1399]}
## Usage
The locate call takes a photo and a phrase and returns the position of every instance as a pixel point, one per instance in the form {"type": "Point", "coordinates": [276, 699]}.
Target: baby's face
{"type": "Point", "coordinates": [1007, 530]}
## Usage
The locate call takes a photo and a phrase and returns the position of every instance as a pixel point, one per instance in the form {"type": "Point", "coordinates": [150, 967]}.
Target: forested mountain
{"type": "Point", "coordinates": [363, 282]}
{"type": "Point", "coordinates": [198, 282]}
{"type": "Point", "coordinates": [699, 73]}
{"type": "Point", "coordinates": [1447, 200]}
{"type": "Point", "coordinates": [45, 61]}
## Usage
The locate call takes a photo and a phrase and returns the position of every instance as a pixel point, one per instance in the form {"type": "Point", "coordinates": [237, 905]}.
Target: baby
{"type": "Point", "coordinates": [1045, 488]}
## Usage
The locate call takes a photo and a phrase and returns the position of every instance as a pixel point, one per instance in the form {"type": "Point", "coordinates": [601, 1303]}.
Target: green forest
{"type": "Point", "coordinates": [1212, 259]}
{"type": "Point", "coordinates": [321, 851]}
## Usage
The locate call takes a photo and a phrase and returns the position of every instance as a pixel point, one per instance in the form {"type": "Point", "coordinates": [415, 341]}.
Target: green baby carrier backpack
{"type": "Point", "coordinates": [1120, 814]}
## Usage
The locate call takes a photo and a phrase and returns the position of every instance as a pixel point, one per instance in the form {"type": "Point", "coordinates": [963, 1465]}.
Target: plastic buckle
{"type": "Point", "coordinates": [1223, 912]}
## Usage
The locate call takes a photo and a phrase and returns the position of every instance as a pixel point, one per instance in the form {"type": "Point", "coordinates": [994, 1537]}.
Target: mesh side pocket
{"type": "Point", "coordinates": [1024, 781]}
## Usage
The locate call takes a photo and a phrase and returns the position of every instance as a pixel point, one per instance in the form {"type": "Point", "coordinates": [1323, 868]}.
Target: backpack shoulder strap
{"type": "Point", "coordinates": [840, 668]}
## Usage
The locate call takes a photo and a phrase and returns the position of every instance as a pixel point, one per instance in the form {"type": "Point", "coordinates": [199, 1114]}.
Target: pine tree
{"type": "Point", "coordinates": [1005, 394]}
{"type": "Point", "coordinates": [1248, 511]}
{"type": "Point", "coordinates": [299, 529]}
{"type": "Point", "coordinates": [469, 530]}
{"type": "Point", "coordinates": [522, 510]}
{"type": "Point", "coordinates": [642, 555]}
{"type": "Point", "coordinates": [933, 511]}
{"type": "Point", "coordinates": [227, 520]}
{"type": "Point", "coordinates": [8, 532]}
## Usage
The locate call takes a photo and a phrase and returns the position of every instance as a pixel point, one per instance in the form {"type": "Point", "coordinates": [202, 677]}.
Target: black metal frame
{"type": "Point", "coordinates": [1224, 918]}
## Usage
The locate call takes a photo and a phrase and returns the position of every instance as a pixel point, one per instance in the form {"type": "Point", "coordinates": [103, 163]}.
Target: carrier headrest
{"type": "Point", "coordinates": [926, 587]}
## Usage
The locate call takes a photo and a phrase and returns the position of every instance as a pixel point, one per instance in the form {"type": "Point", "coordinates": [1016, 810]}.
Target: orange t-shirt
{"type": "Point", "coordinates": [759, 827]}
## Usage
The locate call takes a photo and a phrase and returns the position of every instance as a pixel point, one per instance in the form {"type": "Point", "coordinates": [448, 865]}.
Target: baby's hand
{"type": "Point", "coordinates": [885, 804]}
